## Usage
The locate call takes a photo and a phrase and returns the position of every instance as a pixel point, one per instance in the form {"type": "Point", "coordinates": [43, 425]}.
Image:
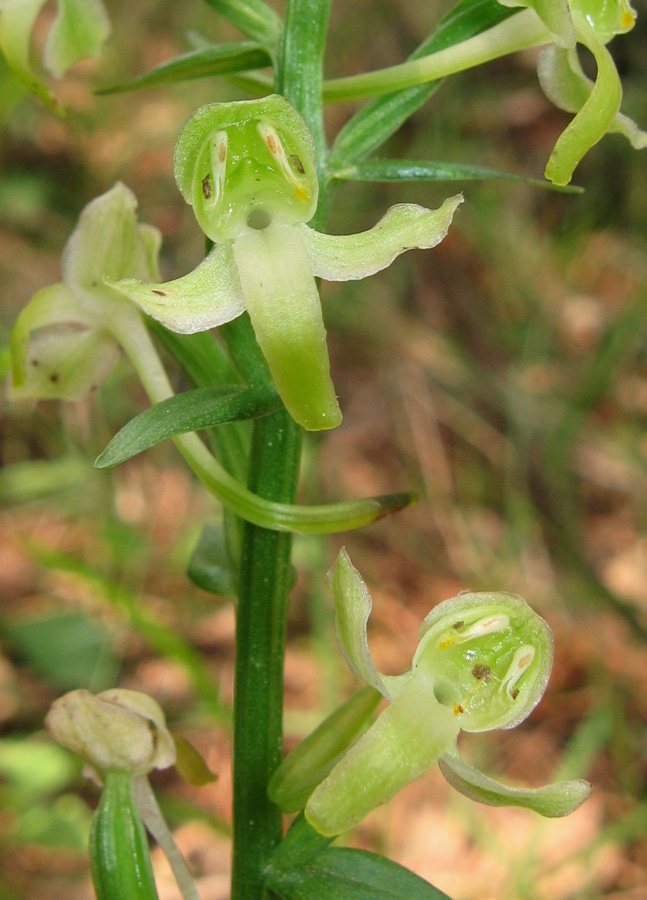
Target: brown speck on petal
{"type": "Point", "coordinates": [296, 162]}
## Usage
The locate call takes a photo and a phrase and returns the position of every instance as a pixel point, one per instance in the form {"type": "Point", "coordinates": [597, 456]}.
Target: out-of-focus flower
{"type": "Point", "coordinates": [591, 23]}
{"type": "Point", "coordinates": [78, 32]}
{"type": "Point", "coordinates": [63, 343]}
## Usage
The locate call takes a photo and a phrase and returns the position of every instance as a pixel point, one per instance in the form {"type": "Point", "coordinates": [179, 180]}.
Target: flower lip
{"type": "Point", "coordinates": [490, 655]}
{"type": "Point", "coordinates": [233, 160]}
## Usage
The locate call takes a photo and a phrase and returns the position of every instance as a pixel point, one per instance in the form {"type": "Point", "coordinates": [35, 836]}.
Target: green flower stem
{"type": "Point", "coordinates": [264, 583]}
{"type": "Point", "coordinates": [130, 331]}
{"type": "Point", "coordinates": [265, 572]}
{"type": "Point", "coordinates": [519, 32]}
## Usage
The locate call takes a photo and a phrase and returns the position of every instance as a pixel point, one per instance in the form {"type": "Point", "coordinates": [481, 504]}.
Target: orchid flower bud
{"type": "Point", "coordinates": [248, 170]}
{"type": "Point", "coordinates": [482, 663]}
{"type": "Point", "coordinates": [117, 730]}
{"type": "Point", "coordinates": [122, 736]}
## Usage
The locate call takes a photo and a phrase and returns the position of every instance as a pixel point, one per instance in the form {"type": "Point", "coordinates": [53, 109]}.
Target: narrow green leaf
{"type": "Point", "coordinates": [382, 170]}
{"type": "Point", "coordinates": [220, 59]}
{"type": "Point", "coordinates": [338, 872]}
{"type": "Point", "coordinates": [310, 762]}
{"type": "Point", "coordinates": [190, 411]}
{"type": "Point", "coordinates": [209, 567]}
{"type": "Point", "coordinates": [205, 362]}
{"type": "Point", "coordinates": [253, 17]}
{"type": "Point", "coordinates": [380, 118]}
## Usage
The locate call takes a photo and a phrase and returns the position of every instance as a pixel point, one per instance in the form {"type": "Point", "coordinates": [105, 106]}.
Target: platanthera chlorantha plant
{"type": "Point", "coordinates": [78, 31]}
{"type": "Point", "coordinates": [482, 663]}
{"type": "Point", "coordinates": [557, 25]}
{"type": "Point", "coordinates": [248, 169]}
{"type": "Point", "coordinates": [122, 736]}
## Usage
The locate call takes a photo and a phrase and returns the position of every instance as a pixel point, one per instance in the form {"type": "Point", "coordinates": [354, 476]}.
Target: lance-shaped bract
{"type": "Point", "coordinates": [482, 663]}
{"type": "Point", "coordinates": [122, 736]}
{"type": "Point", "coordinates": [248, 170]}
{"type": "Point", "coordinates": [78, 32]}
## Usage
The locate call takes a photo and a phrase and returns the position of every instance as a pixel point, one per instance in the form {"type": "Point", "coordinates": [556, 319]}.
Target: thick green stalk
{"type": "Point", "coordinates": [266, 573]}
{"type": "Point", "coordinates": [265, 580]}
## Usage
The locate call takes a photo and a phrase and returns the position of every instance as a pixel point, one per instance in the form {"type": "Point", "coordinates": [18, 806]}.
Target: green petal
{"type": "Point", "coordinates": [353, 607]}
{"type": "Point", "coordinates": [208, 296]}
{"type": "Point", "coordinates": [408, 737]}
{"type": "Point", "coordinates": [284, 307]}
{"type": "Point", "coordinates": [78, 32]}
{"type": "Point", "coordinates": [53, 305]}
{"type": "Point", "coordinates": [106, 243]}
{"type": "Point", "coordinates": [16, 23]}
{"type": "Point", "coordinates": [404, 227]}
{"type": "Point", "coordinates": [595, 117]}
{"type": "Point", "coordinates": [565, 84]}
{"type": "Point", "coordinates": [553, 800]}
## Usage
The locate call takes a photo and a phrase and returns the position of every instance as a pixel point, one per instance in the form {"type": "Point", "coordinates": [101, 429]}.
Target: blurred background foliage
{"type": "Point", "coordinates": [504, 375]}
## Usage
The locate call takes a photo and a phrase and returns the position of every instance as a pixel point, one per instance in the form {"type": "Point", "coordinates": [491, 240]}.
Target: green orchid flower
{"type": "Point", "coordinates": [482, 663]}
{"type": "Point", "coordinates": [78, 31]}
{"type": "Point", "coordinates": [248, 170]}
{"type": "Point", "coordinates": [122, 736]}
{"type": "Point", "coordinates": [66, 340]}
{"type": "Point", "coordinates": [558, 26]}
